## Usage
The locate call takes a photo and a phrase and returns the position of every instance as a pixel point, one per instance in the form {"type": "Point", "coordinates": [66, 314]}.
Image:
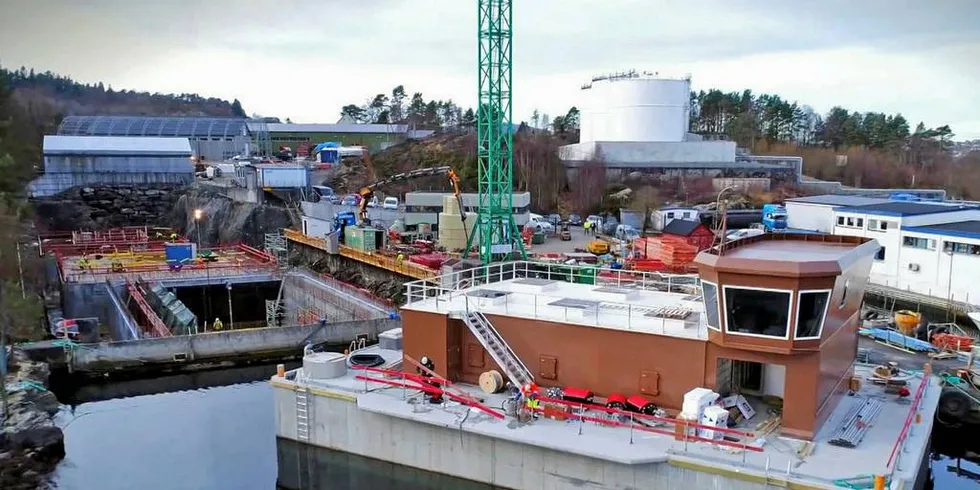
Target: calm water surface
{"type": "Point", "coordinates": [193, 433]}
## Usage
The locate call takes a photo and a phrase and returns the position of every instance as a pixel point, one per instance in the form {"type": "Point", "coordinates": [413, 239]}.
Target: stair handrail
{"type": "Point", "coordinates": [504, 345]}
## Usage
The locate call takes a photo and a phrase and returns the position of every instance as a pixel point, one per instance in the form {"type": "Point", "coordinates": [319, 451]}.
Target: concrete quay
{"type": "Point", "coordinates": [155, 354]}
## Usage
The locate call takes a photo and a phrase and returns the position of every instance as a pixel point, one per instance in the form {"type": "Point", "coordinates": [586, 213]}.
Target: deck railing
{"type": "Point", "coordinates": [913, 418]}
{"type": "Point", "coordinates": [582, 274]}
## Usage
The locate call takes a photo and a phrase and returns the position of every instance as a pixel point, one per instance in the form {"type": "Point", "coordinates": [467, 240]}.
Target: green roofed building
{"type": "Point", "coordinates": [374, 137]}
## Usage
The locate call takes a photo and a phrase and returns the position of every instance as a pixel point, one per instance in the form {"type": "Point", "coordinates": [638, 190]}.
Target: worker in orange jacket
{"type": "Point", "coordinates": [531, 396]}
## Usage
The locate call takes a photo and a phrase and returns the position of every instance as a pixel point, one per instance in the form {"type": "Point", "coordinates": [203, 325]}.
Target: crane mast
{"type": "Point", "coordinates": [495, 227]}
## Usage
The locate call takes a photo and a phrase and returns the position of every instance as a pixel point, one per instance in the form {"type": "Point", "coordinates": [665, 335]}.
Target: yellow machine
{"type": "Point", "coordinates": [367, 192]}
{"type": "Point", "coordinates": [598, 247]}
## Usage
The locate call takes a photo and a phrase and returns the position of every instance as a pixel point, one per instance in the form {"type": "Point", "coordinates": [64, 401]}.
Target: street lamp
{"type": "Point", "coordinates": [198, 214]}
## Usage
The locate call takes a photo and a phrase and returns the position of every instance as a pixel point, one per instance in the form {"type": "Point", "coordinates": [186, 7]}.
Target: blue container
{"type": "Point", "coordinates": [179, 252]}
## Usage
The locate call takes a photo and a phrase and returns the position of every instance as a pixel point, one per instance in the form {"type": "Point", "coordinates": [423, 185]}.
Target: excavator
{"type": "Point", "coordinates": [367, 192]}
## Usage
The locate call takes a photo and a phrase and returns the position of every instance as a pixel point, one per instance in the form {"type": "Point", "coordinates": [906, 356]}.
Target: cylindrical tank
{"type": "Point", "coordinates": [634, 107]}
{"type": "Point", "coordinates": [451, 233]}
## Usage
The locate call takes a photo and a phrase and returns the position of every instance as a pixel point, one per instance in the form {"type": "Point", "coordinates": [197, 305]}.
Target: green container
{"type": "Point", "coordinates": [537, 239]}
{"type": "Point", "coordinates": [363, 239]}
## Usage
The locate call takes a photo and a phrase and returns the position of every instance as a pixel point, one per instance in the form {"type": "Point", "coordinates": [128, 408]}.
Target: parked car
{"type": "Point", "coordinates": [627, 232]}
{"type": "Point", "coordinates": [574, 220]}
{"type": "Point", "coordinates": [390, 203]}
{"type": "Point", "coordinates": [609, 226]}
{"type": "Point", "coordinates": [554, 219]}
{"type": "Point", "coordinates": [373, 203]}
{"type": "Point", "coordinates": [539, 223]}
{"type": "Point", "coordinates": [351, 200]}
{"type": "Point", "coordinates": [594, 219]}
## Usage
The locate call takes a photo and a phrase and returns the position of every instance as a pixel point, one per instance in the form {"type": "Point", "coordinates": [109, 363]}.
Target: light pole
{"type": "Point", "coordinates": [949, 283]}
{"type": "Point", "coordinates": [231, 316]}
{"type": "Point", "coordinates": [198, 214]}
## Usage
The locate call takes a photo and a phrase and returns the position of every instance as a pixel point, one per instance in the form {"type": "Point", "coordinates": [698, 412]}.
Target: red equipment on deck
{"type": "Point", "coordinates": [578, 395]}
{"type": "Point", "coordinates": [952, 342]}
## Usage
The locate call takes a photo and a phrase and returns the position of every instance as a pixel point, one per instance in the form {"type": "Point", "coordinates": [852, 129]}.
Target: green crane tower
{"type": "Point", "coordinates": [495, 226]}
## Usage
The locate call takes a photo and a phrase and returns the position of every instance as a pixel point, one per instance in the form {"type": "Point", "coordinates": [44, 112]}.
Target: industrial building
{"type": "Point", "coordinates": [71, 161]}
{"type": "Point", "coordinates": [928, 248]}
{"type": "Point", "coordinates": [211, 138]}
{"type": "Point", "coordinates": [374, 137]}
{"type": "Point", "coordinates": [424, 207]}
{"type": "Point", "coordinates": [638, 122]}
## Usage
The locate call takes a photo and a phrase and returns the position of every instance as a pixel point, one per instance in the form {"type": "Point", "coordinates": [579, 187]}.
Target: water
{"type": "Point", "coordinates": [216, 430]}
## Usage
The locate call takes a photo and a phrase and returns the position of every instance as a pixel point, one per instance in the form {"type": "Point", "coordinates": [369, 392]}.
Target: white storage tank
{"type": "Point", "coordinates": [451, 233]}
{"type": "Point", "coordinates": [634, 107]}
{"type": "Point", "coordinates": [324, 365]}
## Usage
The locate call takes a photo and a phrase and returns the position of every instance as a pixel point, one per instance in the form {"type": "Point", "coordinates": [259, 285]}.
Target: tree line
{"type": "Point", "coordinates": [415, 111]}
{"type": "Point", "coordinates": [749, 120]}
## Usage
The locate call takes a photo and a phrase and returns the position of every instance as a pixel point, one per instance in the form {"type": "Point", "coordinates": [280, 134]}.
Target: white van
{"type": "Point", "coordinates": [390, 203]}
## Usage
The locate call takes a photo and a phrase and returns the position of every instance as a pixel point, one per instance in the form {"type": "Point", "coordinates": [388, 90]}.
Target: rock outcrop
{"type": "Point", "coordinates": [93, 208]}
{"type": "Point", "coordinates": [224, 220]}
{"type": "Point", "coordinates": [31, 444]}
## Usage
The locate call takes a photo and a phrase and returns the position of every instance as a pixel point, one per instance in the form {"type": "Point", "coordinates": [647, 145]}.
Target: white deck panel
{"type": "Point", "coordinates": [620, 311]}
{"type": "Point", "coordinates": [778, 458]}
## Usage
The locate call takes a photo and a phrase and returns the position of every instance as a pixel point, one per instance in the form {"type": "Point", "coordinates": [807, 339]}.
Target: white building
{"type": "Point", "coordinates": [663, 216]}
{"type": "Point", "coordinates": [926, 248]}
{"type": "Point", "coordinates": [113, 161]}
{"type": "Point", "coordinates": [424, 207]}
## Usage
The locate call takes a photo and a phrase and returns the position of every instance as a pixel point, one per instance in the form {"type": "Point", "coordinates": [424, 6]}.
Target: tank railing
{"type": "Point", "coordinates": [913, 418]}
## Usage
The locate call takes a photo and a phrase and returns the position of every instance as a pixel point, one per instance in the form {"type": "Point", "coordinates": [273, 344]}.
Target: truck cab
{"type": "Point", "coordinates": [774, 217]}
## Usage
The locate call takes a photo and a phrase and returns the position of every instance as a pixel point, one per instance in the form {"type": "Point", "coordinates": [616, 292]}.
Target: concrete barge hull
{"type": "Point", "coordinates": [346, 422]}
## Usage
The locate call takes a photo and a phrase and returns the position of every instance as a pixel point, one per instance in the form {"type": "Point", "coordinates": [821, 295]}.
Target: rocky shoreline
{"type": "Point", "coordinates": [31, 443]}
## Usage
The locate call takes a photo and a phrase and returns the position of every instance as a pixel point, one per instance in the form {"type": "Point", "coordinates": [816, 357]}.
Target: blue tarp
{"type": "Point", "coordinates": [896, 338]}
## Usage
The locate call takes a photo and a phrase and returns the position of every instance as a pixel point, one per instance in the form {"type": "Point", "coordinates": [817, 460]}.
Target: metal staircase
{"type": "Point", "coordinates": [302, 415]}
{"type": "Point", "coordinates": [490, 339]}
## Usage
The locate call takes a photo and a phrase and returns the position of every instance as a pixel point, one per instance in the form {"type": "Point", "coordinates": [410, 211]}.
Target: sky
{"type": "Point", "coordinates": [305, 59]}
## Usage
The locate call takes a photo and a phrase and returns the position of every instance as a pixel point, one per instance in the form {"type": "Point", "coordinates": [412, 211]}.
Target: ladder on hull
{"type": "Point", "coordinates": [302, 415]}
{"type": "Point", "coordinates": [490, 339]}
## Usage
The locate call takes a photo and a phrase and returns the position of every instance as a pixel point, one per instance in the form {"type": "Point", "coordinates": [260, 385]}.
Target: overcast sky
{"type": "Point", "coordinates": [304, 59]}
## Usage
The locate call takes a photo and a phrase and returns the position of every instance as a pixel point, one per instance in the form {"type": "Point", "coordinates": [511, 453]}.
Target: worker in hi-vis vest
{"type": "Point", "coordinates": [217, 325]}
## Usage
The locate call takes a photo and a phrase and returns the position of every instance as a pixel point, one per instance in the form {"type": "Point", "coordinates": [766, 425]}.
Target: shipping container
{"type": "Point", "coordinates": [275, 176]}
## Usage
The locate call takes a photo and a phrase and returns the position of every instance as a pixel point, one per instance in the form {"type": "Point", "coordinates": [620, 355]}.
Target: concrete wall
{"type": "Point", "coordinates": [120, 321]}
{"type": "Point", "coordinates": [231, 345]}
{"type": "Point", "coordinates": [86, 300]}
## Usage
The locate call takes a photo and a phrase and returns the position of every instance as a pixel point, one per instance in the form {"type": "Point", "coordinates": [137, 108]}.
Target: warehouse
{"type": "Point", "coordinates": [374, 137]}
{"type": "Point", "coordinates": [210, 138]}
{"type": "Point", "coordinates": [71, 161]}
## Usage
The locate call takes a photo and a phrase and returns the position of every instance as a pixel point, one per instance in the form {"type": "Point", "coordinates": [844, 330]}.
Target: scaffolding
{"type": "Point", "coordinates": [275, 245]}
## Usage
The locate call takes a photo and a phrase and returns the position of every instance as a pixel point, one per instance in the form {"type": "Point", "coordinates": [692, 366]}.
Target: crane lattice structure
{"type": "Point", "coordinates": [495, 226]}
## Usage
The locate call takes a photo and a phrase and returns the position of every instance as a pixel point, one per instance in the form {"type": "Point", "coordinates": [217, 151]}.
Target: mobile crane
{"type": "Point", "coordinates": [367, 192]}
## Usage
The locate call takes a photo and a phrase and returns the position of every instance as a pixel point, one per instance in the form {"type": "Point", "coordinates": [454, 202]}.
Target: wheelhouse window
{"type": "Point", "coordinates": [709, 293]}
{"type": "Point", "coordinates": [811, 313]}
{"type": "Point", "coordinates": [757, 312]}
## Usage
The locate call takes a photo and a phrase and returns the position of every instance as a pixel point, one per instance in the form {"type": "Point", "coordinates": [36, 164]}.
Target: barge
{"type": "Point", "coordinates": [768, 329]}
